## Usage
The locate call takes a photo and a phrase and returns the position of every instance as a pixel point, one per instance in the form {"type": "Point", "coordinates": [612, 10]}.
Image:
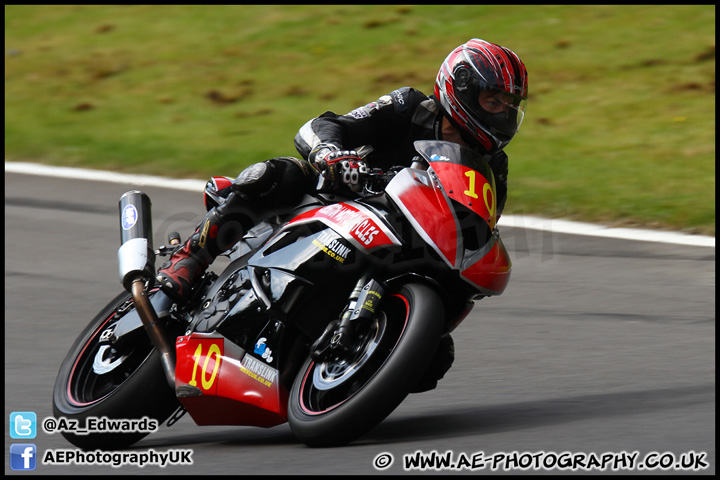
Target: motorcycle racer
{"type": "Point", "coordinates": [479, 101]}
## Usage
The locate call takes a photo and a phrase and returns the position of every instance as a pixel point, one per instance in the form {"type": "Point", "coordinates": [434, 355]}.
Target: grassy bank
{"type": "Point", "coordinates": [620, 126]}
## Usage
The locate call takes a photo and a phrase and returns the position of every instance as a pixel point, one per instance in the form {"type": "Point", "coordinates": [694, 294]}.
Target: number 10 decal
{"type": "Point", "coordinates": [207, 383]}
{"type": "Point", "coordinates": [487, 192]}
{"type": "Point", "coordinates": [470, 192]}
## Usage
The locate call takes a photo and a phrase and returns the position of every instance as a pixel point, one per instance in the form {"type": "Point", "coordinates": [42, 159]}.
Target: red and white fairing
{"type": "Point", "coordinates": [219, 383]}
{"type": "Point", "coordinates": [356, 223]}
{"type": "Point", "coordinates": [425, 199]}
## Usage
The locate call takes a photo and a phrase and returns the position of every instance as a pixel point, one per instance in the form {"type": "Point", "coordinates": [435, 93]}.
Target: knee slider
{"type": "Point", "coordinates": [255, 179]}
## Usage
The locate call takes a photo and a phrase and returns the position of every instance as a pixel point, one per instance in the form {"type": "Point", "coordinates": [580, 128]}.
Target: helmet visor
{"type": "Point", "coordinates": [498, 110]}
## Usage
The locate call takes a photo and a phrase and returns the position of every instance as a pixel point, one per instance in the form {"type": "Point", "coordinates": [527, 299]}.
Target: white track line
{"type": "Point", "coordinates": [102, 176]}
{"type": "Point", "coordinates": [517, 221]}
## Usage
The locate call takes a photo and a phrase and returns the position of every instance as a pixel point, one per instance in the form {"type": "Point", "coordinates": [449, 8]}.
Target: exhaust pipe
{"type": "Point", "coordinates": [136, 259]}
{"type": "Point", "coordinates": [154, 329]}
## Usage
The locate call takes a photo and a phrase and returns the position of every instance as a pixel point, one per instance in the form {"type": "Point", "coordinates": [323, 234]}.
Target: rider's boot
{"type": "Point", "coordinates": [178, 275]}
{"type": "Point", "coordinates": [220, 229]}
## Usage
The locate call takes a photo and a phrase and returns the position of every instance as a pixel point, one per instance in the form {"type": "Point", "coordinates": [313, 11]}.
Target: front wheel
{"type": "Point", "coordinates": [337, 401]}
{"type": "Point", "coordinates": [98, 380]}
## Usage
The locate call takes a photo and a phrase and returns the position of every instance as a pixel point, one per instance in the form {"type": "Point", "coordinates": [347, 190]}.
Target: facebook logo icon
{"type": "Point", "coordinates": [23, 425]}
{"type": "Point", "coordinates": [23, 456]}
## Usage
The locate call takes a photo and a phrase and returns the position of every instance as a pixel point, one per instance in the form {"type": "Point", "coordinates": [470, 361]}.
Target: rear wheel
{"type": "Point", "coordinates": [98, 380]}
{"type": "Point", "coordinates": [336, 401]}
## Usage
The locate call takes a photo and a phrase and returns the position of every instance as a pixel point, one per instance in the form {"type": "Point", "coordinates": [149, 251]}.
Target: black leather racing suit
{"type": "Point", "coordinates": [383, 133]}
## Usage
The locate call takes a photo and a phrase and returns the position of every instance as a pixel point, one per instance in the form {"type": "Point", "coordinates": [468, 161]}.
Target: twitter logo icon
{"type": "Point", "coordinates": [23, 425]}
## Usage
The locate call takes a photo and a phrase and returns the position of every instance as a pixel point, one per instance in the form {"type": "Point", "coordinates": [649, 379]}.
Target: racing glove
{"type": "Point", "coordinates": [346, 171]}
{"type": "Point", "coordinates": [339, 167]}
{"type": "Point", "coordinates": [318, 155]}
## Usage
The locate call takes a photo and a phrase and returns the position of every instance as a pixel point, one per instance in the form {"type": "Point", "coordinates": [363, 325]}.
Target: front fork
{"type": "Point", "coordinates": [338, 337]}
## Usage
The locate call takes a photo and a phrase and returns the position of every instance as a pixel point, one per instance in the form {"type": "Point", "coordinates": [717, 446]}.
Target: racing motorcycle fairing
{"type": "Point", "coordinates": [453, 207]}
{"type": "Point", "coordinates": [423, 204]}
{"type": "Point", "coordinates": [230, 374]}
{"type": "Point", "coordinates": [355, 222]}
{"type": "Point", "coordinates": [219, 383]}
{"type": "Point", "coordinates": [489, 271]}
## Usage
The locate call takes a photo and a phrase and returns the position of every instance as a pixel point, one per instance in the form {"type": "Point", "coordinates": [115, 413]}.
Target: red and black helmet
{"type": "Point", "coordinates": [478, 72]}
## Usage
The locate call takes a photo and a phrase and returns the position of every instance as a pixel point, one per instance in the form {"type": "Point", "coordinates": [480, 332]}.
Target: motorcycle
{"type": "Point", "coordinates": [326, 318]}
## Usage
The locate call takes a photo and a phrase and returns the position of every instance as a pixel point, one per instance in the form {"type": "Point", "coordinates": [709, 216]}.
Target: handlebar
{"type": "Point", "coordinates": [374, 181]}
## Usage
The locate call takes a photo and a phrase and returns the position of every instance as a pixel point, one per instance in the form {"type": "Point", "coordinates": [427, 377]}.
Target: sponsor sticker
{"type": "Point", "coordinates": [332, 247]}
{"type": "Point", "coordinates": [129, 217]}
{"type": "Point", "coordinates": [258, 370]}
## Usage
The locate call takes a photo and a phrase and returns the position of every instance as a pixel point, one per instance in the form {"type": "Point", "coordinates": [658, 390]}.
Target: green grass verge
{"type": "Point", "coordinates": [620, 126]}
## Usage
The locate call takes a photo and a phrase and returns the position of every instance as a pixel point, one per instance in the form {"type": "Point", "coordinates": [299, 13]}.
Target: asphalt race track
{"type": "Point", "coordinates": [598, 347]}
